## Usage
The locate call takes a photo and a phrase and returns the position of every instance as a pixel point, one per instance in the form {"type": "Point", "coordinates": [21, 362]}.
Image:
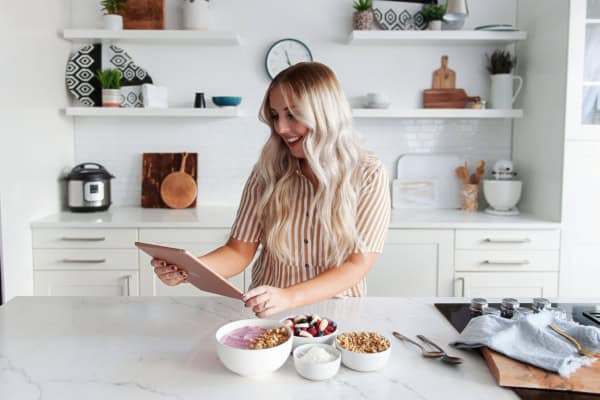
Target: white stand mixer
{"type": "Point", "coordinates": [502, 193]}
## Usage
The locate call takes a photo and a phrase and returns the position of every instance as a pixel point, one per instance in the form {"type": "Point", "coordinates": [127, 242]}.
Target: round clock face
{"type": "Point", "coordinates": [284, 53]}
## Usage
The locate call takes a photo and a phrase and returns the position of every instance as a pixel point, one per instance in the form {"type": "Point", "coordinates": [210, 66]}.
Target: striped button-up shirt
{"type": "Point", "coordinates": [305, 240]}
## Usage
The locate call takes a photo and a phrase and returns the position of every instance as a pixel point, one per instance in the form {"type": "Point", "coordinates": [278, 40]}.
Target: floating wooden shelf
{"type": "Point", "coordinates": [225, 112]}
{"type": "Point", "coordinates": [434, 37]}
{"type": "Point", "coordinates": [435, 113]}
{"type": "Point", "coordinates": [150, 36]}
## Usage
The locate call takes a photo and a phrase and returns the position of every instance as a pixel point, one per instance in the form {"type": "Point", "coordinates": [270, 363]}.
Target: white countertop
{"type": "Point", "coordinates": [222, 217]}
{"type": "Point", "coordinates": [61, 348]}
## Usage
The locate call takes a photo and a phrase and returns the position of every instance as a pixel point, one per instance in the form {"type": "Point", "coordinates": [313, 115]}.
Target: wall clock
{"type": "Point", "coordinates": [284, 53]}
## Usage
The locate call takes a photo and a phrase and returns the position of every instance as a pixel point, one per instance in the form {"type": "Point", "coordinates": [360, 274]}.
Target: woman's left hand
{"type": "Point", "coordinates": [267, 300]}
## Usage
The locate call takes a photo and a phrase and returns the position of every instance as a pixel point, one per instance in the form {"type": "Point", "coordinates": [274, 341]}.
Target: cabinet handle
{"type": "Point", "coordinates": [499, 262]}
{"type": "Point", "coordinates": [75, 261]}
{"type": "Point", "coordinates": [507, 241]}
{"type": "Point", "coordinates": [462, 286]}
{"type": "Point", "coordinates": [82, 239]}
{"type": "Point", "coordinates": [126, 285]}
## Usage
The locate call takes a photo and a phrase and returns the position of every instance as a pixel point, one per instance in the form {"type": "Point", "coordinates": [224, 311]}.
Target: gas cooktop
{"type": "Point", "coordinates": [458, 314]}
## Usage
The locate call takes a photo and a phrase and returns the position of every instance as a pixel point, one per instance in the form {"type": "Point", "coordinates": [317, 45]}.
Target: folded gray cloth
{"type": "Point", "coordinates": [530, 340]}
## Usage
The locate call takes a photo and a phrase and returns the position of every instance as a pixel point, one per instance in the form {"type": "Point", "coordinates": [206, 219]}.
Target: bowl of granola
{"type": "Point", "coordinates": [364, 351]}
{"type": "Point", "coordinates": [252, 347]}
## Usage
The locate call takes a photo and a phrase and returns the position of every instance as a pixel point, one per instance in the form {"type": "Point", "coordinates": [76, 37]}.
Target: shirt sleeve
{"type": "Point", "coordinates": [373, 216]}
{"type": "Point", "coordinates": [247, 226]}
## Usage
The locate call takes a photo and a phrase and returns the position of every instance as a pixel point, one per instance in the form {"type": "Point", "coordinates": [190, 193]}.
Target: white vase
{"type": "Point", "coordinates": [435, 25]}
{"type": "Point", "coordinates": [501, 92]}
{"type": "Point", "coordinates": [113, 22]}
{"type": "Point", "coordinates": [111, 98]}
{"type": "Point", "coordinates": [196, 15]}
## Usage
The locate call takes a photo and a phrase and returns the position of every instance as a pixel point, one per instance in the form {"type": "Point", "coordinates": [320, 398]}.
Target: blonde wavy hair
{"type": "Point", "coordinates": [333, 152]}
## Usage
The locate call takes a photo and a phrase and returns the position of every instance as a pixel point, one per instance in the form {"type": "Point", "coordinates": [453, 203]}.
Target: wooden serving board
{"type": "Point", "coordinates": [155, 167]}
{"type": "Point", "coordinates": [446, 98]}
{"type": "Point", "coordinates": [512, 373]}
{"type": "Point", "coordinates": [144, 14]}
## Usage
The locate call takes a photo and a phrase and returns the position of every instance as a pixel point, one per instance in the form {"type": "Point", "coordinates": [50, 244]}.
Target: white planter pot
{"type": "Point", "coordinates": [501, 92]}
{"type": "Point", "coordinates": [435, 25]}
{"type": "Point", "coordinates": [111, 98]}
{"type": "Point", "coordinates": [113, 22]}
{"type": "Point", "coordinates": [196, 15]}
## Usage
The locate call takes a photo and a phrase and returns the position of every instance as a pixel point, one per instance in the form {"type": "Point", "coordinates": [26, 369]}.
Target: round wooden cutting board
{"type": "Point", "coordinates": [178, 189]}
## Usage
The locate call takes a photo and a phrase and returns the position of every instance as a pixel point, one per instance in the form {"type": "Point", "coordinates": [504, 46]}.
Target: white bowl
{"type": "Point", "coordinates": [316, 371]}
{"type": "Point", "coordinates": [248, 362]}
{"type": "Point", "coordinates": [502, 195]}
{"type": "Point", "coordinates": [301, 340]}
{"type": "Point", "coordinates": [365, 362]}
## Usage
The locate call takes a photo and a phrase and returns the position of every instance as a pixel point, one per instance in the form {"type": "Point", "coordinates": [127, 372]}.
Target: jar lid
{"type": "Point", "coordinates": [510, 303]}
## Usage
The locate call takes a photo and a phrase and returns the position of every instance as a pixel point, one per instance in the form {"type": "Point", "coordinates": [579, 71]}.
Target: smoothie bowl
{"type": "Point", "coordinates": [252, 347]}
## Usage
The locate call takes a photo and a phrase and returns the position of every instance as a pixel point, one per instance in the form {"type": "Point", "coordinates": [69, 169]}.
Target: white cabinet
{"type": "Point", "coordinates": [414, 263]}
{"type": "Point", "coordinates": [506, 263]}
{"type": "Point", "coordinates": [85, 262]}
{"type": "Point", "coordinates": [197, 241]}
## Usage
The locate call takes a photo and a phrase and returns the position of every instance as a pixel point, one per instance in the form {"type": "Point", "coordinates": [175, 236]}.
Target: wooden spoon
{"type": "Point", "coordinates": [479, 171]}
{"type": "Point", "coordinates": [178, 189]}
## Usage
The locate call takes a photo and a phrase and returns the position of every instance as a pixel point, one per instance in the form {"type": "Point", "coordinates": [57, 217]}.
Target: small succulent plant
{"type": "Point", "coordinates": [433, 12]}
{"type": "Point", "coordinates": [362, 5]}
{"type": "Point", "coordinates": [109, 78]}
{"type": "Point", "coordinates": [112, 6]}
{"type": "Point", "coordinates": [501, 62]}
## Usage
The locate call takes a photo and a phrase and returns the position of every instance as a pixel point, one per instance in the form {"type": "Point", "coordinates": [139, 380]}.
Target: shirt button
{"type": "Point", "coordinates": [306, 241]}
{"type": "Point", "coordinates": [307, 214]}
{"type": "Point", "coordinates": [306, 265]}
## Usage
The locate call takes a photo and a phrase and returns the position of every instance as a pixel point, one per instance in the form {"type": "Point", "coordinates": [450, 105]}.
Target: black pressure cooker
{"type": "Point", "coordinates": [88, 187]}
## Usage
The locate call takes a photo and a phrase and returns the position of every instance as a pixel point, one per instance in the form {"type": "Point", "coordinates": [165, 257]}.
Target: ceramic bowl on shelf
{"type": "Point", "coordinates": [252, 362]}
{"type": "Point", "coordinates": [326, 338]}
{"type": "Point", "coordinates": [226, 101]}
{"type": "Point", "coordinates": [310, 366]}
{"type": "Point", "coordinates": [364, 362]}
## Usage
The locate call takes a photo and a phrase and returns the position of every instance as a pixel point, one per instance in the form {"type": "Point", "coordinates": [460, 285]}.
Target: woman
{"type": "Point", "coordinates": [316, 199]}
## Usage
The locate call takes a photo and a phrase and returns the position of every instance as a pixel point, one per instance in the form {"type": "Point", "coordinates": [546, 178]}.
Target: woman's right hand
{"type": "Point", "coordinates": [169, 274]}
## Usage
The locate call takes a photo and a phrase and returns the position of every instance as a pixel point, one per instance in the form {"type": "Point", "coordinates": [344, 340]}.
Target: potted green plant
{"type": "Point", "coordinates": [433, 14]}
{"type": "Point", "coordinates": [362, 19]}
{"type": "Point", "coordinates": [110, 81]}
{"type": "Point", "coordinates": [112, 14]}
{"type": "Point", "coordinates": [501, 65]}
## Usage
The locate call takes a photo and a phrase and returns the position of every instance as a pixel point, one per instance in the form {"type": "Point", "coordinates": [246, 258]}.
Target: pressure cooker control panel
{"type": "Point", "coordinates": [93, 191]}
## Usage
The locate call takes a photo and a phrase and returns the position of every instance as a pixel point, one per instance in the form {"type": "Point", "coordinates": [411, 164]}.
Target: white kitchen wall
{"type": "Point", "coordinates": [36, 141]}
{"type": "Point", "coordinates": [227, 148]}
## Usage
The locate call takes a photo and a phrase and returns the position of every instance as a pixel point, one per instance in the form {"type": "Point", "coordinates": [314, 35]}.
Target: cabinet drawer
{"type": "Point", "coordinates": [83, 238]}
{"type": "Point", "coordinates": [519, 285]}
{"type": "Point", "coordinates": [85, 283]}
{"type": "Point", "coordinates": [219, 236]}
{"type": "Point", "coordinates": [507, 239]}
{"type": "Point", "coordinates": [85, 259]}
{"type": "Point", "coordinates": [497, 260]}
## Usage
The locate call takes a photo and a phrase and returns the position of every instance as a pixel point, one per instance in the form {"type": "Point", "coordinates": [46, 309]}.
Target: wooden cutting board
{"type": "Point", "coordinates": [444, 77]}
{"type": "Point", "coordinates": [155, 167]}
{"type": "Point", "coordinates": [144, 14]}
{"type": "Point", "coordinates": [512, 373]}
{"type": "Point", "coordinates": [446, 98]}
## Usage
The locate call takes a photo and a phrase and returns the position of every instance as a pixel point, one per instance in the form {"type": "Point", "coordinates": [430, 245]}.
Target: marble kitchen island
{"type": "Point", "coordinates": [60, 348]}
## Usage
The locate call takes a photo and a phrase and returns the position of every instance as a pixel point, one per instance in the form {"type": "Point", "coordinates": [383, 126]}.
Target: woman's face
{"type": "Point", "coordinates": [292, 131]}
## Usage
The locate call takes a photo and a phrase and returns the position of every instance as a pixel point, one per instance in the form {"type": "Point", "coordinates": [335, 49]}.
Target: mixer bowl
{"type": "Point", "coordinates": [502, 195]}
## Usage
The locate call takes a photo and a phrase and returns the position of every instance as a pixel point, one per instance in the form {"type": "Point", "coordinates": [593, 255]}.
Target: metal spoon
{"type": "Point", "coordinates": [445, 357]}
{"type": "Point", "coordinates": [425, 353]}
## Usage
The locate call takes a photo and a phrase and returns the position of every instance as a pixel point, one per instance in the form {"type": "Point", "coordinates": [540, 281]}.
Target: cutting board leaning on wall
{"type": "Point", "coordinates": [156, 167]}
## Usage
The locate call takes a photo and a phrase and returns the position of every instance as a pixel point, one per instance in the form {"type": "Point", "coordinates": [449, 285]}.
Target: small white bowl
{"type": "Point", "coordinates": [317, 371]}
{"type": "Point", "coordinates": [365, 362]}
{"type": "Point", "coordinates": [301, 340]}
{"type": "Point", "coordinates": [249, 362]}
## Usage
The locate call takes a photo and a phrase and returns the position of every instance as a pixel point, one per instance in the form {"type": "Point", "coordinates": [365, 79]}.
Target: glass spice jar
{"type": "Point", "coordinates": [539, 304]}
{"type": "Point", "coordinates": [478, 305]}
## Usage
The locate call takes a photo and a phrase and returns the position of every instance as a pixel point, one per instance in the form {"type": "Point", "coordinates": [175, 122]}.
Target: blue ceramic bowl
{"type": "Point", "coordinates": [227, 101]}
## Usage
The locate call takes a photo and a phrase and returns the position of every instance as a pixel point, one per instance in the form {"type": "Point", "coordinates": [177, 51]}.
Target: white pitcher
{"type": "Point", "coordinates": [501, 93]}
{"type": "Point", "coordinates": [196, 15]}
